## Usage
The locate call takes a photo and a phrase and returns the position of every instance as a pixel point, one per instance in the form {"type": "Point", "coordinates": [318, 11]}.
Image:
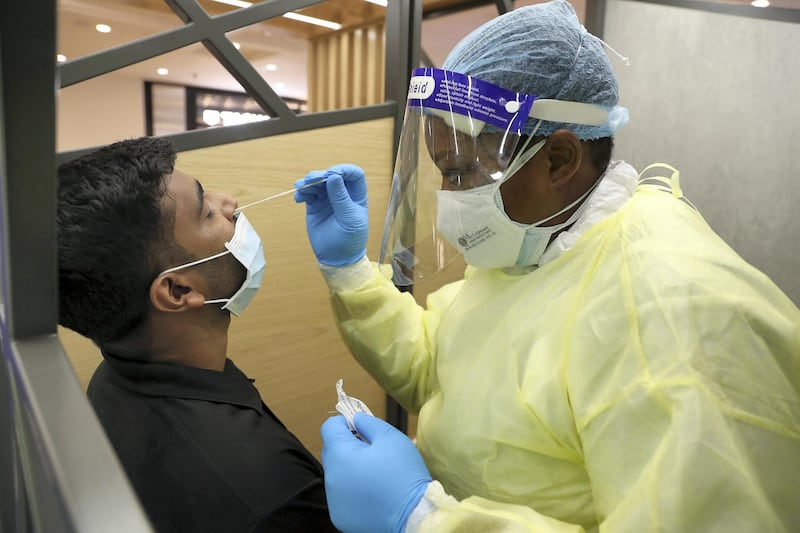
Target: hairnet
{"type": "Point", "coordinates": [543, 50]}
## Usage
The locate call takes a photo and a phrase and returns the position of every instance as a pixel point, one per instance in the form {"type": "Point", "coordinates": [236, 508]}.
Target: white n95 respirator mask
{"type": "Point", "coordinates": [475, 222]}
{"type": "Point", "coordinates": [246, 247]}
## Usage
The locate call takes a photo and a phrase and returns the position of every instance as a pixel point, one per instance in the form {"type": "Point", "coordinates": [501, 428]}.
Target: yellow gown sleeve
{"type": "Point", "coordinates": [391, 336]}
{"type": "Point", "coordinates": [479, 515]}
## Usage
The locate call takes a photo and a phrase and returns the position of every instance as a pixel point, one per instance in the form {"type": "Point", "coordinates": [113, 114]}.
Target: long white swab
{"type": "Point", "coordinates": [284, 193]}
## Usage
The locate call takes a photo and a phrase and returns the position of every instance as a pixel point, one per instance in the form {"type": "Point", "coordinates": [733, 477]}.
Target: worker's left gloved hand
{"type": "Point", "coordinates": [336, 213]}
{"type": "Point", "coordinates": [372, 486]}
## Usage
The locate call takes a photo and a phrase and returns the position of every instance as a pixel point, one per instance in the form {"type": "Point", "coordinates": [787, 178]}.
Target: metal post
{"type": "Point", "coordinates": [403, 37]}
{"type": "Point", "coordinates": [595, 17]}
{"type": "Point", "coordinates": [61, 476]}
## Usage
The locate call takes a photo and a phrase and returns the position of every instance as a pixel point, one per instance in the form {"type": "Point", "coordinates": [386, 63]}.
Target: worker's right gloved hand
{"type": "Point", "coordinates": [336, 213]}
{"type": "Point", "coordinates": [372, 486]}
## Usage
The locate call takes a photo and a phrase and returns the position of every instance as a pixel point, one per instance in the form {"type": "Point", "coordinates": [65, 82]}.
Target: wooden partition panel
{"type": "Point", "coordinates": [286, 339]}
{"type": "Point", "coordinates": [346, 68]}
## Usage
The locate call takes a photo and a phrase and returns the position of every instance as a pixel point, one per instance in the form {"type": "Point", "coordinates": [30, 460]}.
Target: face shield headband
{"type": "Point", "coordinates": [459, 134]}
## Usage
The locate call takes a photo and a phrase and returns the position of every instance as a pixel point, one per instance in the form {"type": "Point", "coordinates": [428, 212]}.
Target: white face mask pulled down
{"type": "Point", "coordinates": [475, 222]}
{"type": "Point", "coordinates": [245, 245]}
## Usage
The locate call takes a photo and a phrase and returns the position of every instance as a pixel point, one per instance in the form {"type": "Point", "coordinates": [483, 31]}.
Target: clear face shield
{"type": "Point", "coordinates": [459, 133]}
{"type": "Point", "coordinates": [460, 136]}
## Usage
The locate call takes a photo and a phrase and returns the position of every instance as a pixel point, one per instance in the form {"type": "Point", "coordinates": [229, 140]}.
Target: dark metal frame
{"type": "Point", "coordinates": [210, 31]}
{"type": "Point", "coordinates": [407, 57]}
{"type": "Point", "coordinates": [59, 472]}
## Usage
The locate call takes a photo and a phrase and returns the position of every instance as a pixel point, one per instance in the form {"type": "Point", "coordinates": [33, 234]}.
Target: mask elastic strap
{"type": "Point", "coordinates": [570, 206]}
{"type": "Point", "coordinates": [193, 263]}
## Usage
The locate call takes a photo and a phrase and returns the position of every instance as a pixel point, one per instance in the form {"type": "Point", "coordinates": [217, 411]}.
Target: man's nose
{"type": "Point", "coordinates": [228, 205]}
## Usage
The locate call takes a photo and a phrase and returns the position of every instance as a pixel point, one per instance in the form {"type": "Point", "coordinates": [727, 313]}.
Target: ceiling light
{"type": "Point", "coordinates": [760, 3]}
{"type": "Point", "coordinates": [61, 58]}
{"type": "Point", "coordinates": [291, 15]}
{"type": "Point", "coordinates": [211, 117]}
{"type": "Point", "coordinates": [235, 3]}
{"type": "Point", "coordinates": [312, 20]}
{"type": "Point", "coordinates": [271, 67]}
{"type": "Point", "coordinates": [162, 71]}
{"type": "Point", "coordinates": [103, 28]}
{"type": "Point", "coordinates": [383, 3]}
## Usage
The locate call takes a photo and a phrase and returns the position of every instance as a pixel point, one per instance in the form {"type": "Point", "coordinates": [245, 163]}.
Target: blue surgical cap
{"type": "Point", "coordinates": [543, 50]}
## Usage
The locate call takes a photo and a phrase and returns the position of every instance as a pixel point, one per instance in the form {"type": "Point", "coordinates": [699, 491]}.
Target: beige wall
{"type": "Point", "coordinates": [715, 95]}
{"type": "Point", "coordinates": [286, 340]}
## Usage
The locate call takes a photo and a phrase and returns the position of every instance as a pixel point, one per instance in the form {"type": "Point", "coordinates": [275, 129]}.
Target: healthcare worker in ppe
{"type": "Point", "coordinates": [607, 363]}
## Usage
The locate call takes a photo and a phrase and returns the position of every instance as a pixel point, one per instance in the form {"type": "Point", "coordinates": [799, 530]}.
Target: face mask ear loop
{"type": "Point", "coordinates": [570, 206]}
{"type": "Point", "coordinates": [193, 263]}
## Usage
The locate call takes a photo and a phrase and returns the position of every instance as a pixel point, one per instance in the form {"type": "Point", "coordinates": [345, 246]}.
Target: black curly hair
{"type": "Point", "coordinates": [113, 235]}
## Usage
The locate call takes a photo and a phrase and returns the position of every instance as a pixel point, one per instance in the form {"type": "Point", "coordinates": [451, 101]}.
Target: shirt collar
{"type": "Point", "coordinates": [179, 381]}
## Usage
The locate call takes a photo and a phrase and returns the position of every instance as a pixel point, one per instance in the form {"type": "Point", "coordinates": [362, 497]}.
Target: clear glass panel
{"type": "Point", "coordinates": [337, 54]}
{"type": "Point", "coordinates": [319, 50]}
{"type": "Point", "coordinates": [346, 66]}
{"type": "Point", "coordinates": [107, 108]}
{"type": "Point", "coordinates": [279, 53]}
{"type": "Point", "coordinates": [218, 7]}
{"type": "Point", "coordinates": [127, 20]}
{"type": "Point", "coordinates": [344, 12]}
{"type": "Point", "coordinates": [208, 108]}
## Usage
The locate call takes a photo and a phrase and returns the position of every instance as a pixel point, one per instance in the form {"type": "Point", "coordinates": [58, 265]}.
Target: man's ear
{"type": "Point", "coordinates": [176, 291]}
{"type": "Point", "coordinates": [564, 157]}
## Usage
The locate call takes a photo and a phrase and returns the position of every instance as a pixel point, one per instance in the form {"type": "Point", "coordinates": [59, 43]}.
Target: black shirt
{"type": "Point", "coordinates": [204, 453]}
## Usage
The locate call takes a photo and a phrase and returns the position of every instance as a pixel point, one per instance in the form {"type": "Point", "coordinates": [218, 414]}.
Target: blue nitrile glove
{"type": "Point", "coordinates": [373, 486]}
{"type": "Point", "coordinates": [336, 214]}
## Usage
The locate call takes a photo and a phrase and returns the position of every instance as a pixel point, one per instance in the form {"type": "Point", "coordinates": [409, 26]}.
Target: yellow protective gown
{"type": "Point", "coordinates": [648, 379]}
